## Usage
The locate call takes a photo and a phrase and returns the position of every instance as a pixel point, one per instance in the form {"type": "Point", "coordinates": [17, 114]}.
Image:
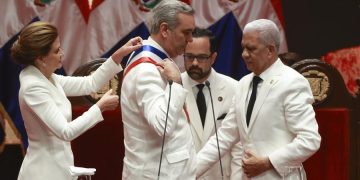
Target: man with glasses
{"type": "Point", "coordinates": [199, 56]}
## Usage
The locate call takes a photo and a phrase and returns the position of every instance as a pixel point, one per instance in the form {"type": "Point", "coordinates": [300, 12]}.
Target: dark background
{"type": "Point", "coordinates": [316, 27]}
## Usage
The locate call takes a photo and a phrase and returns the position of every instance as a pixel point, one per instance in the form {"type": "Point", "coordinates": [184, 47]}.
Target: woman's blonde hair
{"type": "Point", "coordinates": [34, 41]}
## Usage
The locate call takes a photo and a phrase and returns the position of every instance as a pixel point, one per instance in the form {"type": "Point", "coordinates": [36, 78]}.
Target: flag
{"type": "Point", "coordinates": [226, 19]}
{"type": "Point", "coordinates": [15, 15]}
{"type": "Point", "coordinates": [92, 29]}
{"type": "Point", "coordinates": [89, 31]}
{"type": "Point", "coordinates": [97, 28]}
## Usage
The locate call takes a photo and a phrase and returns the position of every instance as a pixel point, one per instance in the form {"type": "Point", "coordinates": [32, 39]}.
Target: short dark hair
{"type": "Point", "coordinates": [200, 32]}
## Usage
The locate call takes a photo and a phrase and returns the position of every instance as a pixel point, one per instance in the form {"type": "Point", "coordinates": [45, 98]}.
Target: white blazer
{"type": "Point", "coordinates": [223, 88]}
{"type": "Point", "coordinates": [48, 119]}
{"type": "Point", "coordinates": [144, 102]}
{"type": "Point", "coordinates": [282, 124]}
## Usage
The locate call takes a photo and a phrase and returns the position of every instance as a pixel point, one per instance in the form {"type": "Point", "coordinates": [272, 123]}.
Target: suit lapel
{"type": "Point", "coordinates": [266, 86]}
{"type": "Point", "coordinates": [274, 76]}
{"type": "Point", "coordinates": [242, 101]}
{"type": "Point", "coordinates": [217, 91]}
{"type": "Point", "coordinates": [58, 87]}
{"type": "Point", "coordinates": [55, 86]}
{"type": "Point", "coordinates": [192, 108]}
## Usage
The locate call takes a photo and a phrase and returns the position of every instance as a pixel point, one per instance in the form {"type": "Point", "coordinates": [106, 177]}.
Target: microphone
{"type": "Point", "coordinates": [207, 83]}
{"type": "Point", "coordinates": [170, 83]}
{"type": "Point", "coordinates": [166, 118]}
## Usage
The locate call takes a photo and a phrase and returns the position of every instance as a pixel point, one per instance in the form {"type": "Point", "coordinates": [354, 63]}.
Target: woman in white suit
{"type": "Point", "coordinates": [44, 105]}
{"type": "Point", "coordinates": [281, 131]}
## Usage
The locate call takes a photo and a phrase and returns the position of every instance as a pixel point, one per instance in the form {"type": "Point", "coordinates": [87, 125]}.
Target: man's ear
{"type": "Point", "coordinates": [272, 50]}
{"type": "Point", "coordinates": [164, 27]}
{"type": "Point", "coordinates": [213, 57]}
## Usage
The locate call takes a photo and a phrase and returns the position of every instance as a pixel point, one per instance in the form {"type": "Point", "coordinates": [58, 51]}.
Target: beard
{"type": "Point", "coordinates": [197, 73]}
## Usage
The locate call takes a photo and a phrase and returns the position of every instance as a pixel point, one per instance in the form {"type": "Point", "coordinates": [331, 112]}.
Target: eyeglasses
{"type": "Point", "coordinates": [200, 58]}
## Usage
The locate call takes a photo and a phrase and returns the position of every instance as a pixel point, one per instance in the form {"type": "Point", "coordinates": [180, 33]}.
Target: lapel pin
{"type": "Point", "coordinates": [220, 98]}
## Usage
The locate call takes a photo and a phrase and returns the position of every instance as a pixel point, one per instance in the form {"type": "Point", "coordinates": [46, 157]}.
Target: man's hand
{"type": "Point", "coordinates": [254, 165]}
{"type": "Point", "coordinates": [169, 70]}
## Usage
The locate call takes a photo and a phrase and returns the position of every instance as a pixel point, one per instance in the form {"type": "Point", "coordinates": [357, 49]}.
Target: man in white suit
{"type": "Point", "coordinates": [275, 122]}
{"type": "Point", "coordinates": [199, 56]}
{"type": "Point", "coordinates": [148, 106]}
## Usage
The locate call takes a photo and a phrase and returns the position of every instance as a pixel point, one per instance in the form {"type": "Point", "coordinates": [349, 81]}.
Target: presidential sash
{"type": "Point", "coordinates": [145, 54]}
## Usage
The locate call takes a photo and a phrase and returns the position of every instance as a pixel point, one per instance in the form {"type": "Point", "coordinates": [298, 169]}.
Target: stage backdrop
{"type": "Point", "coordinates": [91, 30]}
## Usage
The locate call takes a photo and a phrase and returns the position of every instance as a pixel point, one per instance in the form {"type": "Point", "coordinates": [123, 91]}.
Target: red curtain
{"type": "Point", "coordinates": [331, 162]}
{"type": "Point", "coordinates": [102, 147]}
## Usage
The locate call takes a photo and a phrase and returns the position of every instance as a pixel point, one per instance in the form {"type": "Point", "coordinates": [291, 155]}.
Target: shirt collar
{"type": "Point", "coordinates": [267, 73]}
{"type": "Point", "coordinates": [152, 42]}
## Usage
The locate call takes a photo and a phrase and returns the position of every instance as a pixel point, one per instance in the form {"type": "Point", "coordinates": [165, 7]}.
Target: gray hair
{"type": "Point", "coordinates": [268, 31]}
{"type": "Point", "coordinates": [167, 11]}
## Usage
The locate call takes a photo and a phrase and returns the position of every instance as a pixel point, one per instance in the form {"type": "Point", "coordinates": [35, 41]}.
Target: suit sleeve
{"type": "Point", "coordinates": [39, 99]}
{"type": "Point", "coordinates": [78, 86]}
{"type": "Point", "coordinates": [300, 118]}
{"type": "Point", "coordinates": [228, 135]}
{"type": "Point", "coordinates": [152, 96]}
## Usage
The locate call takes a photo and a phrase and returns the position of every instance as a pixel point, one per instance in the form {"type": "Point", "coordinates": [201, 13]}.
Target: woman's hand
{"type": "Point", "coordinates": [132, 45]}
{"type": "Point", "coordinates": [108, 101]}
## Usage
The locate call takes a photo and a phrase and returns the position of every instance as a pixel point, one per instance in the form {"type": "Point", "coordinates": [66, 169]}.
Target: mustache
{"type": "Point", "coordinates": [195, 68]}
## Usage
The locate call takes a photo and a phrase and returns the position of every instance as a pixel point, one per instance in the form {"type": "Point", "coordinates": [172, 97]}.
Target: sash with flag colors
{"type": "Point", "coordinates": [146, 54]}
{"type": "Point", "coordinates": [96, 28]}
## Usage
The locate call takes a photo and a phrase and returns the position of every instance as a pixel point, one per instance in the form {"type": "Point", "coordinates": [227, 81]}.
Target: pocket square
{"type": "Point", "coordinates": [221, 117]}
{"type": "Point", "coordinates": [80, 171]}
